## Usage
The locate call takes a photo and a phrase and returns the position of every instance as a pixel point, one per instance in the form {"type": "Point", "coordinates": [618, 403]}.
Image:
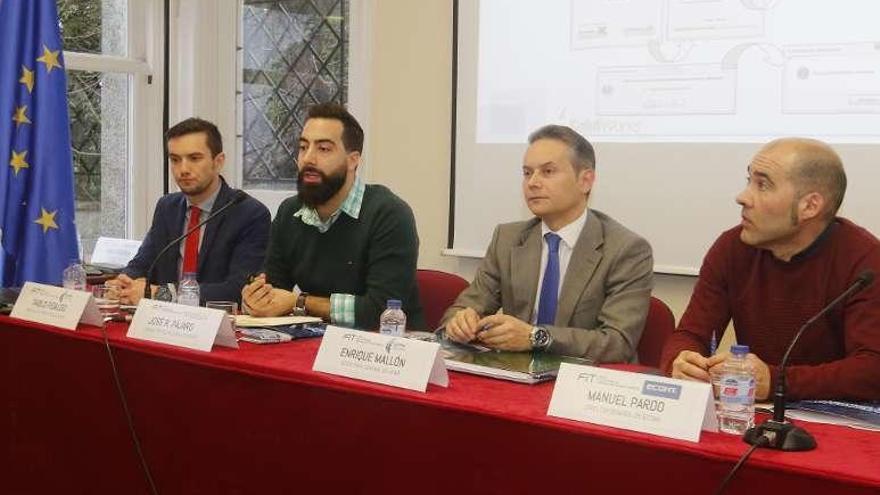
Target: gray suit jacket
{"type": "Point", "coordinates": [605, 292]}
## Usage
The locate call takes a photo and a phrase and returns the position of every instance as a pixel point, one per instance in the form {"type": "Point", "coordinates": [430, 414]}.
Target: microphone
{"type": "Point", "coordinates": [779, 433]}
{"type": "Point", "coordinates": [238, 197]}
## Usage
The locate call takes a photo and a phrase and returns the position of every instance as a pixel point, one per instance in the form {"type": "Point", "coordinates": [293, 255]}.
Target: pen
{"type": "Point", "coordinates": [479, 331]}
{"type": "Point", "coordinates": [713, 344]}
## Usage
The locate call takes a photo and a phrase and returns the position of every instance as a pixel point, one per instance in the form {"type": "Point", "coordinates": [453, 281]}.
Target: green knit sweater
{"type": "Point", "coordinates": [372, 257]}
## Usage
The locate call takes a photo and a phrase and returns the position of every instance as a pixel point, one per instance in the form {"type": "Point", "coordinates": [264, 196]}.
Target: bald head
{"type": "Point", "coordinates": [813, 166]}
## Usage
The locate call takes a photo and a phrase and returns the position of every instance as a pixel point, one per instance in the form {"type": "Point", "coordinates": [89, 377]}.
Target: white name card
{"type": "Point", "coordinates": [634, 401]}
{"type": "Point", "coordinates": [56, 306]}
{"type": "Point", "coordinates": [182, 326]}
{"type": "Point", "coordinates": [395, 361]}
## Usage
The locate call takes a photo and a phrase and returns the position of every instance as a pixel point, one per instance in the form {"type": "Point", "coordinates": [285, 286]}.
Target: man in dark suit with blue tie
{"type": "Point", "coordinates": [223, 252]}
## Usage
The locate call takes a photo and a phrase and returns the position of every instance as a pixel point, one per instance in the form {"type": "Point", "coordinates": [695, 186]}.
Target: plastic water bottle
{"type": "Point", "coordinates": [392, 321]}
{"type": "Point", "coordinates": [736, 396]}
{"type": "Point", "coordinates": [188, 292]}
{"type": "Point", "coordinates": [74, 276]}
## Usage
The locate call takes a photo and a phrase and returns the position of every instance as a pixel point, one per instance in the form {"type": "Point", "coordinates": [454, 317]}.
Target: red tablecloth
{"type": "Point", "coordinates": [258, 420]}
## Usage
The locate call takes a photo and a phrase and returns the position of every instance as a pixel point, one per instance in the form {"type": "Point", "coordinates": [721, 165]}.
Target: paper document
{"type": "Point", "coordinates": [861, 415]}
{"type": "Point", "coordinates": [273, 321]}
{"type": "Point", "coordinates": [114, 253]}
{"type": "Point", "coordinates": [263, 336]}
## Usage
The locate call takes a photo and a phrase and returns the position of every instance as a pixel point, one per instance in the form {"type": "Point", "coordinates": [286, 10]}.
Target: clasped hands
{"type": "Point", "coordinates": [498, 331]}
{"type": "Point", "coordinates": [261, 299]}
{"type": "Point", "coordinates": [130, 290]}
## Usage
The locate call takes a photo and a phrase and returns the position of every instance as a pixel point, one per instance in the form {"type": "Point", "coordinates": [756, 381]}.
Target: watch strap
{"type": "Point", "coordinates": [299, 309]}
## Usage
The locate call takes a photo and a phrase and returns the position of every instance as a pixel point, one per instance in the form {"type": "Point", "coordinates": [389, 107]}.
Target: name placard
{"type": "Point", "coordinates": [394, 361]}
{"type": "Point", "coordinates": [56, 306]}
{"type": "Point", "coordinates": [182, 326]}
{"type": "Point", "coordinates": [634, 401]}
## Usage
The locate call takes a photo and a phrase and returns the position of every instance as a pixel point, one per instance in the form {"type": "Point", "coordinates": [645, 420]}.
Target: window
{"type": "Point", "coordinates": [107, 73]}
{"type": "Point", "coordinates": [294, 53]}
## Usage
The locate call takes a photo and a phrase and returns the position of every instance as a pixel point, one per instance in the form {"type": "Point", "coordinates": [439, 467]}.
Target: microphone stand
{"type": "Point", "coordinates": [777, 433]}
{"type": "Point", "coordinates": [237, 198]}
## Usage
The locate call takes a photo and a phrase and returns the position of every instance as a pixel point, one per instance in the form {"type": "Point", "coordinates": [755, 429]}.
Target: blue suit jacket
{"type": "Point", "coordinates": [234, 245]}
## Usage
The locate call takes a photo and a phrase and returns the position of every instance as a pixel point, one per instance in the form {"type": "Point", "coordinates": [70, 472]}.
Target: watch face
{"type": "Point", "coordinates": [540, 337]}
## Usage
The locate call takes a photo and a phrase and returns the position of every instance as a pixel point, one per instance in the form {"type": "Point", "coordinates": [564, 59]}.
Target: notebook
{"type": "Point", "coordinates": [521, 367]}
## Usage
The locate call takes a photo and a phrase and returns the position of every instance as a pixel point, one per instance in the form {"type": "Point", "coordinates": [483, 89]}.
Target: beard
{"type": "Point", "coordinates": [313, 195]}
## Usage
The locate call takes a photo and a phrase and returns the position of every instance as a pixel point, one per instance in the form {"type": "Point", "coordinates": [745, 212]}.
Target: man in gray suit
{"type": "Point", "coordinates": [571, 281]}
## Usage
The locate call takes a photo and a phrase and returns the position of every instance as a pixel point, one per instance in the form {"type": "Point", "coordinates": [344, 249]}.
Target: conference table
{"type": "Point", "coordinates": [259, 420]}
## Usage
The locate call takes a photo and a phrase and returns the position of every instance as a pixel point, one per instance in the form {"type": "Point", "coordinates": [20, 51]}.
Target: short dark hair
{"type": "Point", "coordinates": [825, 176]}
{"type": "Point", "coordinates": [816, 167]}
{"type": "Point", "coordinates": [193, 125]}
{"type": "Point", "coordinates": [352, 132]}
{"type": "Point", "coordinates": [583, 157]}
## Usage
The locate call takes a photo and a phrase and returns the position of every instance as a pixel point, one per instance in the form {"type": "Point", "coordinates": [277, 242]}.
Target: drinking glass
{"type": "Point", "coordinates": [107, 298]}
{"type": "Point", "coordinates": [230, 307]}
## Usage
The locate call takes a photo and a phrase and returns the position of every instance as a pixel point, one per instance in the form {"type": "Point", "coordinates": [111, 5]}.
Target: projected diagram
{"type": "Point", "coordinates": [819, 78]}
{"type": "Point", "coordinates": [671, 70]}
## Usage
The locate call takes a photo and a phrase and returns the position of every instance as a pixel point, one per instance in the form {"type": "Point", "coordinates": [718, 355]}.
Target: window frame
{"type": "Point", "coordinates": [145, 68]}
{"type": "Point", "coordinates": [358, 93]}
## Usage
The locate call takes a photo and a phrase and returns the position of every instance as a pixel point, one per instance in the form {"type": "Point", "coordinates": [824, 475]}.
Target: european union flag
{"type": "Point", "coordinates": [36, 179]}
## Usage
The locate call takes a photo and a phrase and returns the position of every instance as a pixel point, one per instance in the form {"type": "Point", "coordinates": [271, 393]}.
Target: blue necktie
{"type": "Point", "coordinates": [550, 285]}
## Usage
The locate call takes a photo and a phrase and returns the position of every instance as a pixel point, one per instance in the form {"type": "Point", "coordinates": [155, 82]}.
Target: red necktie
{"type": "Point", "coordinates": [191, 248]}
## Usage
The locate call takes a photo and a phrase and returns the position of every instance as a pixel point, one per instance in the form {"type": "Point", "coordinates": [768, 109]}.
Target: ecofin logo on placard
{"type": "Point", "coordinates": [660, 389]}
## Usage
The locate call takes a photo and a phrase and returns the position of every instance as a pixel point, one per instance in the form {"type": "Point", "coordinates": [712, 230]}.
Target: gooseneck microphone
{"type": "Point", "coordinates": [779, 433]}
{"type": "Point", "coordinates": [237, 198]}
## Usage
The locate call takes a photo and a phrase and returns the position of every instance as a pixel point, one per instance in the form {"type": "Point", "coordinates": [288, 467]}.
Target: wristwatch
{"type": "Point", "coordinates": [299, 309]}
{"type": "Point", "coordinates": [540, 338]}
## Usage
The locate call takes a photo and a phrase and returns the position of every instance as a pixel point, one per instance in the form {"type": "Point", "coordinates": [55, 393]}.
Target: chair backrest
{"type": "Point", "coordinates": [659, 325]}
{"type": "Point", "coordinates": [437, 291]}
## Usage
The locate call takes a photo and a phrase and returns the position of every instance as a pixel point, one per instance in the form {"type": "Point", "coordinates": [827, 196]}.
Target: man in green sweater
{"type": "Point", "coordinates": [339, 249]}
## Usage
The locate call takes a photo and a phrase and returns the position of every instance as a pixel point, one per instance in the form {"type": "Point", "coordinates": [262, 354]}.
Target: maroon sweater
{"type": "Point", "coordinates": [769, 299]}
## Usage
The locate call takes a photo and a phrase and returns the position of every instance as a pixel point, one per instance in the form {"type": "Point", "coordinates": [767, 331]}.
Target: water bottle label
{"type": "Point", "coordinates": [188, 297]}
{"type": "Point", "coordinates": [188, 301]}
{"type": "Point", "coordinates": [389, 329]}
{"type": "Point", "coordinates": [737, 390]}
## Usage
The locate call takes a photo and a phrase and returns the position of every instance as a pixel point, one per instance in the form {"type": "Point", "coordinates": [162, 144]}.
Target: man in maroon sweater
{"type": "Point", "coordinates": [787, 259]}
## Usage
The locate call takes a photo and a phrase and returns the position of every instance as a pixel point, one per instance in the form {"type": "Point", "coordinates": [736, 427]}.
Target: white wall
{"type": "Point", "coordinates": [409, 126]}
{"type": "Point", "coordinates": [203, 70]}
